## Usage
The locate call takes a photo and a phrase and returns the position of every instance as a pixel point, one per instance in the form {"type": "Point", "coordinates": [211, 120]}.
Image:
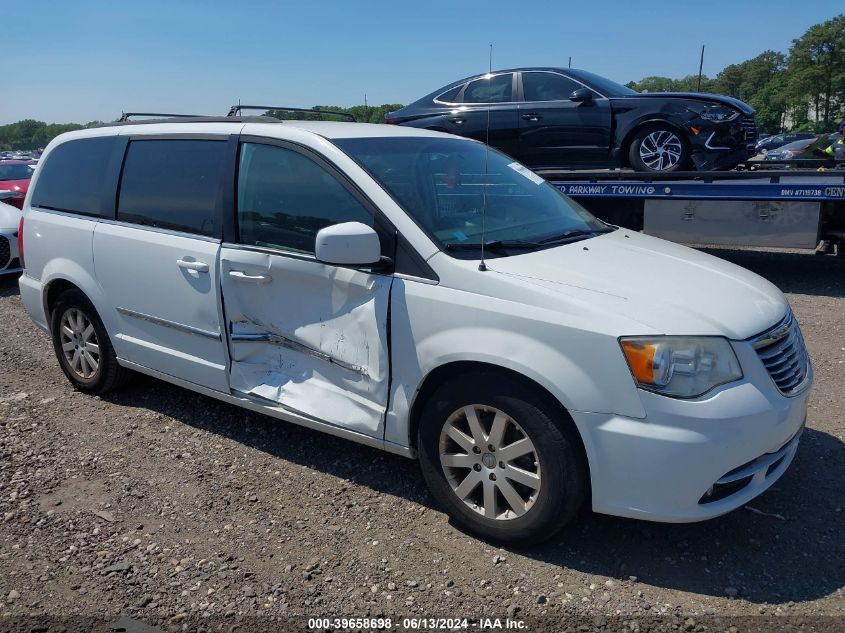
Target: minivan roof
{"type": "Point", "coordinates": [266, 126]}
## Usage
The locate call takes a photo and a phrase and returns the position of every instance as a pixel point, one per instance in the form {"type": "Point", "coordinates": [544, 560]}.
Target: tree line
{"type": "Point", "coordinates": [801, 90]}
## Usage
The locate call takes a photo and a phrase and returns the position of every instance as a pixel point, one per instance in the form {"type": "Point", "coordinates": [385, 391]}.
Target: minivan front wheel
{"type": "Point", "coordinates": [500, 460]}
{"type": "Point", "coordinates": [82, 345]}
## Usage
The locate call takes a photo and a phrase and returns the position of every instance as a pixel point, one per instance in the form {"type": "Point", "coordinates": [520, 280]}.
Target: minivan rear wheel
{"type": "Point", "coordinates": [82, 345]}
{"type": "Point", "coordinates": [500, 460]}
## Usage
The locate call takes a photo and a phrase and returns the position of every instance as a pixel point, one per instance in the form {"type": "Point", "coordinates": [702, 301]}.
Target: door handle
{"type": "Point", "coordinates": [532, 116]}
{"type": "Point", "coordinates": [456, 120]}
{"type": "Point", "coordinates": [242, 276]}
{"type": "Point", "coordinates": [200, 267]}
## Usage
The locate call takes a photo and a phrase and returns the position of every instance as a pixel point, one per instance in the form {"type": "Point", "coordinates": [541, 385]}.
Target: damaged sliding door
{"type": "Point", "coordinates": [305, 335]}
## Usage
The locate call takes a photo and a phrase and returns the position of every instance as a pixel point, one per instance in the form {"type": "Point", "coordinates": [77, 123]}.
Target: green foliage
{"type": "Point", "coordinates": [666, 84]}
{"type": "Point", "coordinates": [781, 88]}
{"type": "Point", "coordinates": [30, 134]}
{"type": "Point", "coordinates": [362, 114]}
{"type": "Point", "coordinates": [817, 69]}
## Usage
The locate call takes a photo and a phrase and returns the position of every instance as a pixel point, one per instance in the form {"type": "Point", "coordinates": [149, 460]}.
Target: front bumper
{"type": "Point", "coordinates": [722, 146]}
{"type": "Point", "coordinates": [690, 460]}
{"type": "Point", "coordinates": [9, 256]}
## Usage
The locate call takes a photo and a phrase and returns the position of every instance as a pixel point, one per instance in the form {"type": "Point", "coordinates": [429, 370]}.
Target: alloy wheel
{"type": "Point", "coordinates": [490, 462]}
{"type": "Point", "coordinates": [661, 150]}
{"type": "Point", "coordinates": [79, 343]}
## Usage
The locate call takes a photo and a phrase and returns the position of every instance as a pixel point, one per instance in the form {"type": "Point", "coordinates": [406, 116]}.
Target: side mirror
{"type": "Point", "coordinates": [348, 244]}
{"type": "Point", "coordinates": [582, 95]}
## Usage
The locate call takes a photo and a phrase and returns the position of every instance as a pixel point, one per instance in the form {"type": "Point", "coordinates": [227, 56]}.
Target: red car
{"type": "Point", "coordinates": [15, 176]}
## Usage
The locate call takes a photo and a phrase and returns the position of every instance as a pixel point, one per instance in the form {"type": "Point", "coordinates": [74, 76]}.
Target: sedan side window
{"type": "Point", "coordinates": [285, 198]}
{"type": "Point", "coordinates": [498, 89]}
{"type": "Point", "coordinates": [450, 96]}
{"type": "Point", "coordinates": [547, 87]}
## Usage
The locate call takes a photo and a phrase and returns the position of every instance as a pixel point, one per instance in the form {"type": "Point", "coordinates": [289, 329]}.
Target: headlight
{"type": "Point", "coordinates": [718, 113]}
{"type": "Point", "coordinates": [680, 366]}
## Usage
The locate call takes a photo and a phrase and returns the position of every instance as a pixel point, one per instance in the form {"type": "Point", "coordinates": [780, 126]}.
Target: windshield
{"type": "Point", "coordinates": [605, 86]}
{"type": "Point", "coordinates": [15, 172]}
{"type": "Point", "coordinates": [440, 182]}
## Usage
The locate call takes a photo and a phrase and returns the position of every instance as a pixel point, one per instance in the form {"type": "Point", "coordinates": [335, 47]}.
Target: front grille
{"type": "Point", "coordinates": [749, 129]}
{"type": "Point", "coordinates": [784, 355]}
{"type": "Point", "coordinates": [5, 252]}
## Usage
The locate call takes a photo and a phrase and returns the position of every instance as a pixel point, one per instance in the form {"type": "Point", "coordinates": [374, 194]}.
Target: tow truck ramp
{"type": "Point", "coordinates": [778, 209]}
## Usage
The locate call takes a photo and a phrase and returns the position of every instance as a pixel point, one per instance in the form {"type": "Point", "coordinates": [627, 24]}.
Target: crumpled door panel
{"type": "Point", "coordinates": [312, 337]}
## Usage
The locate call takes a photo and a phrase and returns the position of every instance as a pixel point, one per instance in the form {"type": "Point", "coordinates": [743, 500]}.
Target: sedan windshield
{"type": "Point", "coordinates": [464, 194]}
{"type": "Point", "coordinates": [605, 86]}
{"type": "Point", "coordinates": [15, 172]}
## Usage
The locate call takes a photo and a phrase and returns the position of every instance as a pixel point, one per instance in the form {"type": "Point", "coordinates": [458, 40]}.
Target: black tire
{"type": "Point", "coordinates": [109, 375]}
{"type": "Point", "coordinates": [640, 136]}
{"type": "Point", "coordinates": [564, 482]}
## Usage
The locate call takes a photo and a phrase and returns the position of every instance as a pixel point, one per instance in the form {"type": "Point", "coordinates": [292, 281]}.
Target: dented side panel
{"type": "Point", "coordinates": [308, 336]}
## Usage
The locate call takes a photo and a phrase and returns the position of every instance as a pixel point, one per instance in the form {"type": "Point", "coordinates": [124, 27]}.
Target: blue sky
{"type": "Point", "coordinates": [80, 60]}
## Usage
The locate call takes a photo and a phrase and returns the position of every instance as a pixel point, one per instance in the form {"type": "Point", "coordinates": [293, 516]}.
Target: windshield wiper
{"type": "Point", "coordinates": [574, 235]}
{"type": "Point", "coordinates": [493, 245]}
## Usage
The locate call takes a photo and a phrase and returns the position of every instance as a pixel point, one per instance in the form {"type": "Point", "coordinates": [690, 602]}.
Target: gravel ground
{"type": "Point", "coordinates": [171, 508]}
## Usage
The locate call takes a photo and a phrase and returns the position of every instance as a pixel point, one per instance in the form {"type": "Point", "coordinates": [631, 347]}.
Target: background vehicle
{"type": "Point", "coordinates": [806, 148]}
{"type": "Point", "coordinates": [779, 140]}
{"type": "Point", "coordinates": [10, 218]}
{"type": "Point", "coordinates": [15, 176]}
{"type": "Point", "coordinates": [551, 118]}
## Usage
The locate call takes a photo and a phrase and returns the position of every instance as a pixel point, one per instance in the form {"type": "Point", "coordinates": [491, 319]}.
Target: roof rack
{"type": "Point", "coordinates": [124, 116]}
{"type": "Point", "coordinates": [236, 109]}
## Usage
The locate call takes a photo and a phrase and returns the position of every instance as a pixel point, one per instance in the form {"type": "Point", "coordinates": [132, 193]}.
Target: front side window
{"type": "Point", "coordinates": [547, 87]}
{"type": "Point", "coordinates": [285, 198]}
{"type": "Point", "coordinates": [172, 184]}
{"type": "Point", "coordinates": [459, 190]}
{"type": "Point", "coordinates": [71, 177]}
{"type": "Point", "coordinates": [496, 89]}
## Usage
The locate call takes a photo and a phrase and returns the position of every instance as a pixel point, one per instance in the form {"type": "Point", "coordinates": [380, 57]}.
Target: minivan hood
{"type": "Point", "coordinates": [664, 287]}
{"type": "Point", "coordinates": [697, 96]}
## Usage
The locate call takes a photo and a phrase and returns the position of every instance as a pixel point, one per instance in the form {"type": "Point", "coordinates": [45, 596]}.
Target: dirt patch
{"type": "Point", "coordinates": [219, 513]}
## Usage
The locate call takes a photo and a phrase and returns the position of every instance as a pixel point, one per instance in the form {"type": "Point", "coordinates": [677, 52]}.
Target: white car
{"type": "Point", "coordinates": [10, 218]}
{"type": "Point", "coordinates": [332, 275]}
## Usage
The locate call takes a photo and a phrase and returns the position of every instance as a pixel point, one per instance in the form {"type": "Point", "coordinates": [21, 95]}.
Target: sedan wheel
{"type": "Point", "coordinates": [490, 462]}
{"type": "Point", "coordinates": [661, 150]}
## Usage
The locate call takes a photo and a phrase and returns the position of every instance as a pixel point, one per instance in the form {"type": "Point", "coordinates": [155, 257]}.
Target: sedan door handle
{"type": "Point", "coordinates": [200, 267]}
{"type": "Point", "coordinates": [457, 120]}
{"type": "Point", "coordinates": [532, 116]}
{"type": "Point", "coordinates": [242, 276]}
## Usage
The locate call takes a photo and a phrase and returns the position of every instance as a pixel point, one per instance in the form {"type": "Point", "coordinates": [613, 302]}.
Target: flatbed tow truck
{"type": "Point", "coordinates": [797, 207]}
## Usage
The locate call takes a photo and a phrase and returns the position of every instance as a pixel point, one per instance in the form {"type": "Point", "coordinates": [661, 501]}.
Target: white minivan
{"type": "Point", "coordinates": [423, 294]}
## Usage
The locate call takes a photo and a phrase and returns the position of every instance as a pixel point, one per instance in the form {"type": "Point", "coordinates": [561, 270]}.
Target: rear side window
{"type": "Point", "coordinates": [451, 95]}
{"type": "Point", "coordinates": [71, 178]}
{"type": "Point", "coordinates": [547, 87]}
{"type": "Point", "coordinates": [496, 89]}
{"type": "Point", "coordinates": [172, 184]}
